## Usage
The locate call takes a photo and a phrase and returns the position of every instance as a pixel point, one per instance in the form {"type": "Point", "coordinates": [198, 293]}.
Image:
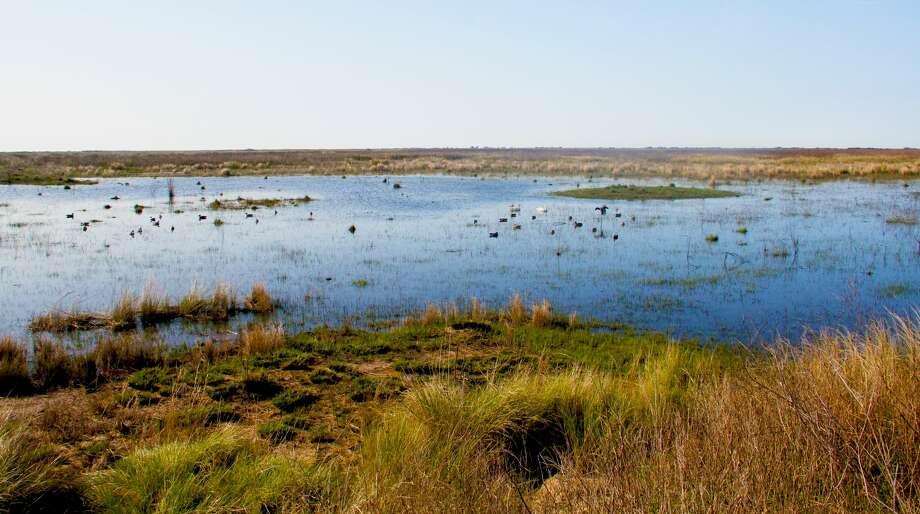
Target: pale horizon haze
{"type": "Point", "coordinates": [106, 75]}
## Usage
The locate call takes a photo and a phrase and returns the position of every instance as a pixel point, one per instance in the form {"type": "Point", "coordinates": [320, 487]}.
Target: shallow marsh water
{"type": "Point", "coordinates": [819, 255]}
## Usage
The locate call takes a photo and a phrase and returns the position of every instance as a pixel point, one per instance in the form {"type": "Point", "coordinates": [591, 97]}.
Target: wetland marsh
{"type": "Point", "coordinates": [772, 258]}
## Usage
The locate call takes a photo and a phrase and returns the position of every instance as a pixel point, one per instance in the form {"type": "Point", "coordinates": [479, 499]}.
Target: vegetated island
{"type": "Point", "coordinates": [39, 179]}
{"type": "Point", "coordinates": [250, 203]}
{"type": "Point", "coordinates": [630, 192]}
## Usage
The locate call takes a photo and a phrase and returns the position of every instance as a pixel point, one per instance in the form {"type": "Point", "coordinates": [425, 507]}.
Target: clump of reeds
{"type": "Point", "coordinates": [222, 304]}
{"type": "Point", "coordinates": [52, 366]}
{"type": "Point", "coordinates": [517, 313]}
{"type": "Point", "coordinates": [155, 306]}
{"type": "Point", "coordinates": [541, 314]}
{"type": "Point", "coordinates": [124, 352]}
{"type": "Point", "coordinates": [477, 310]}
{"type": "Point", "coordinates": [27, 476]}
{"type": "Point", "coordinates": [124, 312]}
{"type": "Point", "coordinates": [258, 338]}
{"type": "Point", "coordinates": [258, 300]}
{"type": "Point", "coordinates": [432, 315]}
{"type": "Point", "coordinates": [59, 321]}
{"type": "Point", "coordinates": [14, 368]}
{"type": "Point", "coordinates": [193, 304]}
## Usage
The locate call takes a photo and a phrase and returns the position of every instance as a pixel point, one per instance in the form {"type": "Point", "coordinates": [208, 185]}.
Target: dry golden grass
{"type": "Point", "coordinates": [431, 316]}
{"type": "Point", "coordinates": [541, 314]}
{"type": "Point", "coordinates": [830, 426]}
{"type": "Point", "coordinates": [697, 164]}
{"type": "Point", "coordinates": [259, 300]}
{"type": "Point", "coordinates": [257, 338]}
{"type": "Point", "coordinates": [59, 321]}
{"type": "Point", "coordinates": [517, 313]}
{"type": "Point", "coordinates": [14, 368]}
{"type": "Point", "coordinates": [477, 310]}
{"type": "Point", "coordinates": [222, 304]}
{"type": "Point", "coordinates": [124, 312]}
{"type": "Point", "coordinates": [154, 305]}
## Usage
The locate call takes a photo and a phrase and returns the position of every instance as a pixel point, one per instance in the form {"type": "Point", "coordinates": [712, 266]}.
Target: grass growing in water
{"type": "Point", "coordinates": [155, 307]}
{"type": "Point", "coordinates": [254, 204]}
{"type": "Point", "coordinates": [902, 220]}
{"type": "Point", "coordinates": [629, 192]}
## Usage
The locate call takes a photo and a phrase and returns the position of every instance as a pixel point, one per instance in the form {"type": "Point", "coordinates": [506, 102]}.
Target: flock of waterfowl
{"type": "Point", "coordinates": [514, 214]}
{"type": "Point", "coordinates": [515, 211]}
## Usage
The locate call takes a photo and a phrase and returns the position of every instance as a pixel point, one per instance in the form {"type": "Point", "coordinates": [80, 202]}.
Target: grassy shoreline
{"type": "Point", "coordinates": [695, 164]}
{"type": "Point", "coordinates": [461, 409]}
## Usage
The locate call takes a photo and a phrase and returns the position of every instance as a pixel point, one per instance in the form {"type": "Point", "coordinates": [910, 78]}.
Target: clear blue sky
{"type": "Point", "coordinates": [272, 74]}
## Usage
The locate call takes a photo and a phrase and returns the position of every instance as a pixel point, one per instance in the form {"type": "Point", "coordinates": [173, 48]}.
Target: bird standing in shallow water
{"type": "Point", "coordinates": [493, 234]}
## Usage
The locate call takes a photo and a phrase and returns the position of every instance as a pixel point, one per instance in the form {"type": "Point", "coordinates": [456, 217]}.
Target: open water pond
{"type": "Point", "coordinates": [780, 257]}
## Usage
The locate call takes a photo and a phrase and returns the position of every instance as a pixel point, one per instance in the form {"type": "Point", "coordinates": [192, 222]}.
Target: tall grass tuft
{"type": "Point", "coordinates": [259, 300]}
{"type": "Point", "coordinates": [193, 304]}
{"type": "Point", "coordinates": [431, 316]}
{"type": "Point", "coordinates": [222, 304]}
{"type": "Point", "coordinates": [517, 313]}
{"type": "Point", "coordinates": [477, 310]}
{"type": "Point", "coordinates": [154, 305]}
{"type": "Point", "coordinates": [29, 479]}
{"type": "Point", "coordinates": [53, 367]}
{"type": "Point", "coordinates": [445, 441]}
{"type": "Point", "coordinates": [124, 312]}
{"type": "Point", "coordinates": [257, 338]}
{"type": "Point", "coordinates": [541, 314]}
{"type": "Point", "coordinates": [226, 471]}
{"type": "Point", "coordinates": [113, 353]}
{"type": "Point", "coordinates": [14, 368]}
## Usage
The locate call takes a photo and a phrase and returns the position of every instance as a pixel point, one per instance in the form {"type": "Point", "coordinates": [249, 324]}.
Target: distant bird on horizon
{"type": "Point", "coordinates": [202, 217]}
{"type": "Point", "coordinates": [69, 215]}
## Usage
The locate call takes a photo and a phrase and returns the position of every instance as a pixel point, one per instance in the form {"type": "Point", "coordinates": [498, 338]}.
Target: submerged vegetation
{"type": "Point", "coordinates": [630, 192]}
{"type": "Point", "coordinates": [463, 409]}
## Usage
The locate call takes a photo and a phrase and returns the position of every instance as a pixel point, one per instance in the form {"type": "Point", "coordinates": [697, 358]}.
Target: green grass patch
{"type": "Point", "coordinates": [629, 192]}
{"type": "Point", "coordinates": [689, 283]}
{"type": "Point", "coordinates": [895, 290]}
{"type": "Point", "coordinates": [41, 179]}
{"type": "Point", "coordinates": [295, 399]}
{"type": "Point", "coordinates": [902, 220]}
